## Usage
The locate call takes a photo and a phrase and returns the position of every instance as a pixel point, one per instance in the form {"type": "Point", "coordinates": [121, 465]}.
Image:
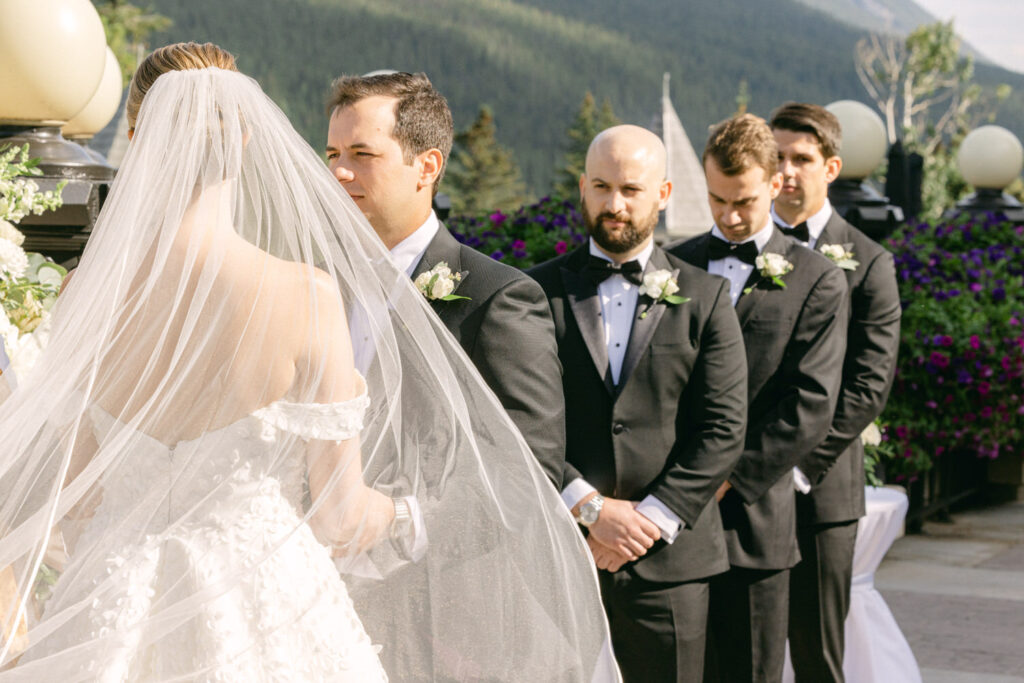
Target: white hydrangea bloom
{"type": "Point", "coordinates": [13, 261]}
{"type": "Point", "coordinates": [9, 232]}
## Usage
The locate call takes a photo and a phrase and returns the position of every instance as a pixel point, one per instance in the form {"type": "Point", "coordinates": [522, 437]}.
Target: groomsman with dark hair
{"type": "Point", "coordinates": [655, 392]}
{"type": "Point", "coordinates": [809, 139]}
{"type": "Point", "coordinates": [792, 308]}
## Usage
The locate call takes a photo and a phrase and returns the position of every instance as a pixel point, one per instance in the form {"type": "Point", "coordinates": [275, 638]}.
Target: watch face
{"type": "Point", "coordinates": [589, 513]}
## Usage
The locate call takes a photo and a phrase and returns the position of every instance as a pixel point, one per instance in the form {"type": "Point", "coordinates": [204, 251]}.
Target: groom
{"type": "Point", "coordinates": [388, 142]}
{"type": "Point", "coordinates": [655, 385]}
{"type": "Point", "coordinates": [792, 306]}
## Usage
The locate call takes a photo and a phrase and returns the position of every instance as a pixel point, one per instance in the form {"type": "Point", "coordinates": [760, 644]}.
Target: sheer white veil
{"type": "Point", "coordinates": [222, 278]}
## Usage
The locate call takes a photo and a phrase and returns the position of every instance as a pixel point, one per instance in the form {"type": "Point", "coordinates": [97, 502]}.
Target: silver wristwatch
{"type": "Point", "coordinates": [401, 532]}
{"type": "Point", "coordinates": [590, 510]}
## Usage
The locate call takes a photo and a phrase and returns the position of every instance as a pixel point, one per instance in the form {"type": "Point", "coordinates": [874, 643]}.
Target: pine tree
{"type": "Point", "coordinates": [588, 123]}
{"type": "Point", "coordinates": [482, 174]}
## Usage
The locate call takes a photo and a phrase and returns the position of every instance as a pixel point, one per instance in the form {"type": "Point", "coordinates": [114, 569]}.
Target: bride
{"type": "Point", "coordinates": [221, 493]}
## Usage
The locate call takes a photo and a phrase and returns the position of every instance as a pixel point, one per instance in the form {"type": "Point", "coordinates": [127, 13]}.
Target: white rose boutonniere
{"type": "Point", "coordinates": [661, 286]}
{"type": "Point", "coordinates": [439, 283]}
{"type": "Point", "coordinates": [772, 267]}
{"type": "Point", "coordinates": [872, 435]}
{"type": "Point", "coordinates": [839, 255]}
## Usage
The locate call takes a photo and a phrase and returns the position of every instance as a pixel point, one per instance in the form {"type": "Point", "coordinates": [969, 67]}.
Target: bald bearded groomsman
{"type": "Point", "coordinates": [655, 392]}
{"type": "Point", "coordinates": [809, 139]}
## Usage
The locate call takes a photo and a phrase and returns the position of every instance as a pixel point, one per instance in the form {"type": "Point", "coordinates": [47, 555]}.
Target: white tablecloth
{"type": "Point", "coordinates": [876, 651]}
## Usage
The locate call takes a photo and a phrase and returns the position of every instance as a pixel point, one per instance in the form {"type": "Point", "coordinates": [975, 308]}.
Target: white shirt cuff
{"type": "Point", "coordinates": [663, 518]}
{"type": "Point", "coordinates": [419, 530]}
{"type": "Point", "coordinates": [576, 491]}
{"type": "Point", "coordinates": [800, 481]}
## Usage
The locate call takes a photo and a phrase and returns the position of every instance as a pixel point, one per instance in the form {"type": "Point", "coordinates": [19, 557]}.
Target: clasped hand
{"type": "Point", "coordinates": [620, 535]}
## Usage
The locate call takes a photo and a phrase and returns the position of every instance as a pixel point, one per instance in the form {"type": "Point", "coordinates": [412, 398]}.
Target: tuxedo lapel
{"type": "Point", "coordinates": [833, 232]}
{"type": "Point", "coordinates": [645, 325]}
{"type": "Point", "coordinates": [443, 247]}
{"type": "Point", "coordinates": [586, 309]}
{"type": "Point", "coordinates": [747, 303]}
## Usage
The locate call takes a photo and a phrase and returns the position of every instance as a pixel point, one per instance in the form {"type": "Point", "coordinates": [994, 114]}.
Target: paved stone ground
{"type": "Point", "coordinates": [957, 592]}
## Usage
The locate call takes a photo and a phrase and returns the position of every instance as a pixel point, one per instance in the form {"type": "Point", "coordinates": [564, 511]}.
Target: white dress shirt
{"type": "Point", "coordinates": [618, 309]}
{"type": "Point", "coordinates": [731, 268]}
{"type": "Point", "coordinates": [815, 224]}
{"type": "Point", "coordinates": [407, 253]}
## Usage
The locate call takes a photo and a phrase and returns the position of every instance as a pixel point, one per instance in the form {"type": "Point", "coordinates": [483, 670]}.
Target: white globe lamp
{"type": "Point", "coordinates": [864, 142]}
{"type": "Point", "coordinates": [101, 108]}
{"type": "Point", "coordinates": [990, 158]}
{"type": "Point", "coordinates": [52, 59]}
{"type": "Point", "coordinates": [52, 55]}
{"type": "Point", "coordinates": [863, 148]}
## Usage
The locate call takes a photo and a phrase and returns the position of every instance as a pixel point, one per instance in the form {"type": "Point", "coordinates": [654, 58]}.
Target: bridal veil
{"type": "Point", "coordinates": [222, 223]}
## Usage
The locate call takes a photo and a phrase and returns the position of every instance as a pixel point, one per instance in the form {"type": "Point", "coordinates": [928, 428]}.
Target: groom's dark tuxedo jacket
{"type": "Point", "coordinates": [505, 328]}
{"type": "Point", "coordinates": [836, 467]}
{"type": "Point", "coordinates": [673, 426]}
{"type": "Point", "coordinates": [795, 338]}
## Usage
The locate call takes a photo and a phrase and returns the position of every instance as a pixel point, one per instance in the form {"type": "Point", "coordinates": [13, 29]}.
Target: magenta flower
{"type": "Point", "coordinates": [561, 247]}
{"type": "Point", "coordinates": [975, 342]}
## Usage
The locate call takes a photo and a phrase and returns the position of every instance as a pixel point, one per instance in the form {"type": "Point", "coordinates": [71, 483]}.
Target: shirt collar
{"type": "Point", "coordinates": [642, 258]}
{"type": "Point", "coordinates": [407, 253]}
{"type": "Point", "coordinates": [759, 238]}
{"type": "Point", "coordinates": [815, 224]}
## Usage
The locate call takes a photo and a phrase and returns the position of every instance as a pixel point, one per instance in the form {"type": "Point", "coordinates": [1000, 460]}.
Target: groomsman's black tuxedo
{"type": "Point", "coordinates": [795, 338]}
{"type": "Point", "coordinates": [506, 330]}
{"type": "Point", "coordinates": [827, 517]}
{"type": "Point", "coordinates": [672, 427]}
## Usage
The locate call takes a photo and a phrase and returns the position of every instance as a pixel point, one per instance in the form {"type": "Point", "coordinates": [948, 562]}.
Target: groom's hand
{"type": "Point", "coordinates": [622, 529]}
{"type": "Point", "coordinates": [604, 557]}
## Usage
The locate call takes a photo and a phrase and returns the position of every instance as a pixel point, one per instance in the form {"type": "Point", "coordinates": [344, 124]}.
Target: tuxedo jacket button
{"type": "Point", "coordinates": [618, 428]}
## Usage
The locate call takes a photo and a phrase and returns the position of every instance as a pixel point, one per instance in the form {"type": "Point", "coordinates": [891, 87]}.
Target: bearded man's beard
{"type": "Point", "coordinates": [633, 234]}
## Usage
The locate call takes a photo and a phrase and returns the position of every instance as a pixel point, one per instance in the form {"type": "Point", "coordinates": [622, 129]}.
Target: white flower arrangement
{"type": "Point", "coordinates": [28, 281]}
{"type": "Point", "coordinates": [772, 267]}
{"type": "Point", "coordinates": [661, 286]}
{"type": "Point", "coordinates": [839, 255]}
{"type": "Point", "coordinates": [439, 283]}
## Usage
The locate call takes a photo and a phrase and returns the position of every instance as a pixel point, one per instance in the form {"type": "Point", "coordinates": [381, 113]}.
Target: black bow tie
{"type": "Point", "coordinates": [799, 232]}
{"type": "Point", "coordinates": [720, 249]}
{"type": "Point", "coordinates": [600, 270]}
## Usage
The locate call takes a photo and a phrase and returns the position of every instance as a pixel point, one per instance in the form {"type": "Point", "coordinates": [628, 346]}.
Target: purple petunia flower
{"type": "Point", "coordinates": [561, 247]}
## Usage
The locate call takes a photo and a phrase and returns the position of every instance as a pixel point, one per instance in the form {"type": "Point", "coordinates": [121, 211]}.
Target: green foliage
{"type": "Point", "coordinates": [127, 28]}
{"type": "Point", "coordinates": [588, 123]}
{"type": "Point", "coordinates": [532, 61]}
{"type": "Point", "coordinates": [958, 387]}
{"type": "Point", "coordinates": [925, 89]}
{"type": "Point", "coordinates": [482, 175]}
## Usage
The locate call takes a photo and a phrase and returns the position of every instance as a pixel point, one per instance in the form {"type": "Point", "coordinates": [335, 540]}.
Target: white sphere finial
{"type": "Point", "coordinates": [864, 140]}
{"type": "Point", "coordinates": [990, 157]}
{"type": "Point", "coordinates": [101, 107]}
{"type": "Point", "coordinates": [52, 55]}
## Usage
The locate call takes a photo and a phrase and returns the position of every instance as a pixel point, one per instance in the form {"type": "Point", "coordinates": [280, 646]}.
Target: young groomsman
{"type": "Point", "coordinates": [792, 307]}
{"type": "Point", "coordinates": [809, 139]}
{"type": "Point", "coordinates": [388, 143]}
{"type": "Point", "coordinates": [655, 387]}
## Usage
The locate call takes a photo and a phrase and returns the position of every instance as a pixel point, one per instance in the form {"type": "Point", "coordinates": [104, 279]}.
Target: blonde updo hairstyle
{"type": "Point", "coordinates": [175, 57]}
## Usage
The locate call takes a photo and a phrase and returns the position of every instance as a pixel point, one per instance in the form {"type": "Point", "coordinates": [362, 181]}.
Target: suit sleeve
{"type": "Point", "coordinates": [517, 355]}
{"type": "Point", "coordinates": [715, 404]}
{"type": "Point", "coordinates": [873, 343]}
{"type": "Point", "coordinates": [802, 410]}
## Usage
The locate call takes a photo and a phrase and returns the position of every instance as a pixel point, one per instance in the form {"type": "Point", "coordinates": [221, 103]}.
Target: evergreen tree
{"type": "Point", "coordinates": [588, 123]}
{"type": "Point", "coordinates": [482, 174]}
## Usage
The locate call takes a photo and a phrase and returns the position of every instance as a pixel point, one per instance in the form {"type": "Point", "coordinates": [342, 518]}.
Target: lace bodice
{"type": "Point", "coordinates": [233, 503]}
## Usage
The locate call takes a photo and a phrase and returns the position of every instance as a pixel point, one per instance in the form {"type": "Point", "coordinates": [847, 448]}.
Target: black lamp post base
{"type": "Point", "coordinates": [864, 208]}
{"type": "Point", "coordinates": [988, 200]}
